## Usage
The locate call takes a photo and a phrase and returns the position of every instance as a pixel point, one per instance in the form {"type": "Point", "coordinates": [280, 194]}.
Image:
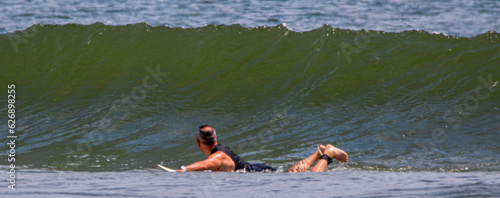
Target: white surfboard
{"type": "Point", "coordinates": [167, 169]}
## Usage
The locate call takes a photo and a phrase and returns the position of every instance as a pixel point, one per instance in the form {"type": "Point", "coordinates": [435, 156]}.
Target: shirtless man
{"type": "Point", "coordinates": [221, 158]}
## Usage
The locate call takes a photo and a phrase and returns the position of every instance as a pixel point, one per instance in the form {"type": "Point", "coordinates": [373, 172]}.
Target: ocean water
{"type": "Point", "coordinates": [412, 98]}
{"type": "Point", "coordinates": [452, 17]}
{"type": "Point", "coordinates": [339, 183]}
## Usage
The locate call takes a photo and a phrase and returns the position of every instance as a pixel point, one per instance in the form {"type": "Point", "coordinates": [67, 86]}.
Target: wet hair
{"type": "Point", "coordinates": [206, 134]}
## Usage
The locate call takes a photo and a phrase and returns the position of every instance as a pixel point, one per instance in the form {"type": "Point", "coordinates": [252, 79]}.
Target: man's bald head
{"type": "Point", "coordinates": [206, 135]}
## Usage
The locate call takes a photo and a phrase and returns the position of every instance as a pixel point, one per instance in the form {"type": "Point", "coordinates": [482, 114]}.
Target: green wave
{"type": "Point", "coordinates": [99, 97]}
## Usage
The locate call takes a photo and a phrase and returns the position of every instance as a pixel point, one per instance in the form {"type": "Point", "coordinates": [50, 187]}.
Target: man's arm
{"type": "Point", "coordinates": [211, 163]}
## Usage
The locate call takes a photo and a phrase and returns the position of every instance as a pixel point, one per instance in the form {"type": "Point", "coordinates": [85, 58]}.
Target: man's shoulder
{"type": "Point", "coordinates": [218, 154]}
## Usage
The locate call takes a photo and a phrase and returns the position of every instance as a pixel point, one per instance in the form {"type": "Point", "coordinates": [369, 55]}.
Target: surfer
{"type": "Point", "coordinates": [221, 158]}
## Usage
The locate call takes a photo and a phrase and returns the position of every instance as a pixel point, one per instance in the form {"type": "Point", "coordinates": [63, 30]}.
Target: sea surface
{"type": "Point", "coordinates": [452, 17]}
{"type": "Point", "coordinates": [105, 90]}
